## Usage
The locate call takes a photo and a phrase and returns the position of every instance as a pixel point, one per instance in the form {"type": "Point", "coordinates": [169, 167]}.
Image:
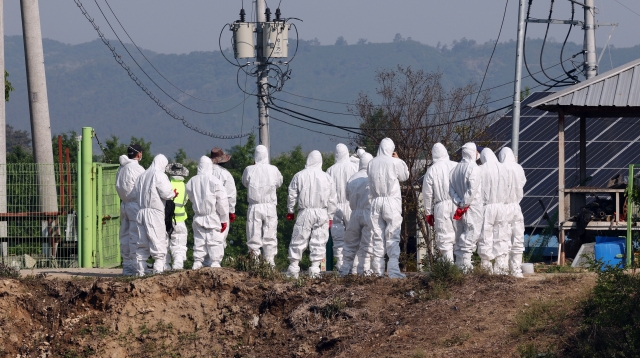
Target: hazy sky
{"type": "Point", "coordinates": [180, 26]}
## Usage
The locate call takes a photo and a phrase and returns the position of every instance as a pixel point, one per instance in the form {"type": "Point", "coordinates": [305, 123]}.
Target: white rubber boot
{"type": "Point", "coordinates": [487, 266]}
{"type": "Point", "coordinates": [377, 264]}
{"type": "Point", "coordinates": [393, 268]}
{"type": "Point", "coordinates": [515, 263]}
{"type": "Point", "coordinates": [501, 266]}
{"type": "Point", "coordinates": [314, 270]}
{"type": "Point", "coordinates": [294, 270]}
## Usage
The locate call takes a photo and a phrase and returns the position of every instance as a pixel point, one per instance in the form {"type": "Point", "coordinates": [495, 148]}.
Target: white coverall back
{"type": "Point", "coordinates": [385, 174]}
{"type": "Point", "coordinates": [492, 243]}
{"type": "Point", "coordinates": [314, 192]}
{"type": "Point", "coordinates": [464, 187]}
{"type": "Point", "coordinates": [515, 221]}
{"type": "Point", "coordinates": [152, 189]}
{"type": "Point", "coordinates": [357, 238]}
{"type": "Point", "coordinates": [210, 209]}
{"type": "Point", "coordinates": [129, 171]}
{"type": "Point", "coordinates": [262, 180]}
{"type": "Point", "coordinates": [437, 200]}
{"type": "Point", "coordinates": [340, 172]}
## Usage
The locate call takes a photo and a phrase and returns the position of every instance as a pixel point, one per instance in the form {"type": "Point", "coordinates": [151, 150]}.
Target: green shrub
{"type": "Point", "coordinates": [8, 271]}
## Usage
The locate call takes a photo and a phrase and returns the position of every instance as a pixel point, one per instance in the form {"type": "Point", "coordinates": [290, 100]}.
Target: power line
{"type": "Point", "coordinates": [310, 130]}
{"type": "Point", "coordinates": [626, 7]}
{"type": "Point", "coordinates": [144, 88]}
{"type": "Point", "coordinates": [149, 77]}
{"type": "Point", "coordinates": [154, 67]}
{"type": "Point", "coordinates": [504, 15]}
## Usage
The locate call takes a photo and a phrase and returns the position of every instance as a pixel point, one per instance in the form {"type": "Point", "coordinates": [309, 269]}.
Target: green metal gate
{"type": "Point", "coordinates": [107, 216]}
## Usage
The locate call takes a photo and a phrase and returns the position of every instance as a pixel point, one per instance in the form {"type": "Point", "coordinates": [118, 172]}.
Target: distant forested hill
{"type": "Point", "coordinates": [88, 88]}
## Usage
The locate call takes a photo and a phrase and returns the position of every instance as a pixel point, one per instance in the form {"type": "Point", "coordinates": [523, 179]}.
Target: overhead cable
{"type": "Point", "coordinates": [134, 78]}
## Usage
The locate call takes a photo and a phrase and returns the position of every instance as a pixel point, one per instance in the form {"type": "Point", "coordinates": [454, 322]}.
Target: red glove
{"type": "Point", "coordinates": [330, 223]}
{"type": "Point", "coordinates": [459, 213]}
{"type": "Point", "coordinates": [224, 227]}
{"type": "Point", "coordinates": [232, 217]}
{"type": "Point", "coordinates": [430, 220]}
{"type": "Point", "coordinates": [175, 191]}
{"type": "Point", "coordinates": [291, 216]}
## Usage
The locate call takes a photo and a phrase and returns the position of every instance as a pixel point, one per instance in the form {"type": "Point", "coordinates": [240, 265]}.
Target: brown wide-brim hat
{"type": "Point", "coordinates": [219, 156]}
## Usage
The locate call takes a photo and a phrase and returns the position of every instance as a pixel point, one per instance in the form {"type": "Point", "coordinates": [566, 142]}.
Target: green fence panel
{"type": "Point", "coordinates": [107, 209]}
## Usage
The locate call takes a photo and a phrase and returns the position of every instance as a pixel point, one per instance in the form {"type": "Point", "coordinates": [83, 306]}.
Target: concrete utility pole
{"type": "Point", "coordinates": [3, 133]}
{"type": "Point", "coordinates": [590, 64]}
{"type": "Point", "coordinates": [515, 126]}
{"type": "Point", "coordinates": [39, 105]}
{"type": "Point", "coordinates": [263, 80]}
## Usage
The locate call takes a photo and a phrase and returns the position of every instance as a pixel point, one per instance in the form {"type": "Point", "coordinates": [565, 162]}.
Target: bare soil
{"type": "Point", "coordinates": [224, 313]}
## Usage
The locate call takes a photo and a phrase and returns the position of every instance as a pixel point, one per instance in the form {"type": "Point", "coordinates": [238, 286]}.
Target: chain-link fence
{"type": "Point", "coordinates": [37, 215]}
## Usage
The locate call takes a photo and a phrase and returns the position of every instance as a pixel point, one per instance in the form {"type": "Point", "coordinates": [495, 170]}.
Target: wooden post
{"type": "Point", "coordinates": [561, 198]}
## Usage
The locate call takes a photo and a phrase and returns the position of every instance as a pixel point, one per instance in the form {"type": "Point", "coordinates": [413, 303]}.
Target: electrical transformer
{"type": "Point", "coordinates": [275, 39]}
{"type": "Point", "coordinates": [243, 43]}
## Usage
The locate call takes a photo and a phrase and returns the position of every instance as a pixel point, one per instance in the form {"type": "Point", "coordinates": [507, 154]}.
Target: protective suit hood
{"type": "Point", "coordinates": [364, 161]}
{"type": "Point", "coordinates": [469, 151]}
{"type": "Point", "coordinates": [439, 152]}
{"type": "Point", "coordinates": [342, 153]}
{"type": "Point", "coordinates": [314, 160]}
{"type": "Point", "coordinates": [506, 155]}
{"type": "Point", "coordinates": [124, 160]}
{"type": "Point", "coordinates": [386, 148]}
{"type": "Point", "coordinates": [205, 166]}
{"type": "Point", "coordinates": [488, 155]}
{"type": "Point", "coordinates": [160, 162]}
{"type": "Point", "coordinates": [261, 155]}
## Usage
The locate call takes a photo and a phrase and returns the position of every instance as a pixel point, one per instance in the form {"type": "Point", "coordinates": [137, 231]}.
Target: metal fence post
{"type": "Point", "coordinates": [85, 195]}
{"type": "Point", "coordinates": [629, 250]}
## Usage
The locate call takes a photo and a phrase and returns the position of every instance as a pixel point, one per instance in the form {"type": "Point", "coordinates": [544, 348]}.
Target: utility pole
{"type": "Point", "coordinates": [515, 126]}
{"type": "Point", "coordinates": [39, 105]}
{"type": "Point", "coordinates": [263, 80]}
{"type": "Point", "coordinates": [590, 64]}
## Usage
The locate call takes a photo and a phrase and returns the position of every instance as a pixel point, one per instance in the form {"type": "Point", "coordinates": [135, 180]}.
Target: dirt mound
{"type": "Point", "coordinates": [221, 312]}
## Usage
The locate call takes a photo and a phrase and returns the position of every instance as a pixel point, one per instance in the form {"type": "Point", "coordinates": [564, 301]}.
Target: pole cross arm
{"type": "Point", "coordinates": [553, 21]}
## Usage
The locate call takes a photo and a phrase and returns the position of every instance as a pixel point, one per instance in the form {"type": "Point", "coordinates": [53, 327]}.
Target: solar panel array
{"type": "Point", "coordinates": [612, 144]}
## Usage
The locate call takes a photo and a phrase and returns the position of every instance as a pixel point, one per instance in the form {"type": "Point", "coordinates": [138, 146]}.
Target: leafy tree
{"type": "Point", "coordinates": [113, 149]}
{"type": "Point", "coordinates": [19, 155]}
{"type": "Point", "coordinates": [17, 137]}
{"type": "Point", "coordinates": [340, 41]}
{"type": "Point", "coordinates": [8, 88]}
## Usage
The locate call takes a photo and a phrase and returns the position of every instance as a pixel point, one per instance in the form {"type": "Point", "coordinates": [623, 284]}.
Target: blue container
{"type": "Point", "coordinates": [603, 239]}
{"type": "Point", "coordinates": [611, 253]}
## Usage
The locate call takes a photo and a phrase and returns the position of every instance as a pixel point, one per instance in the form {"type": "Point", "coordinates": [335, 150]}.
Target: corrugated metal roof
{"type": "Point", "coordinates": [619, 87]}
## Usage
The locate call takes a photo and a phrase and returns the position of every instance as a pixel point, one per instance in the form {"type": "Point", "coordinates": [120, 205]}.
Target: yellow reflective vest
{"type": "Point", "coordinates": [180, 212]}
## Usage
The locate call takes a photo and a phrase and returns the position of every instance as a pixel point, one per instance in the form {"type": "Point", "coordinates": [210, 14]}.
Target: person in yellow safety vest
{"type": "Point", "coordinates": [178, 239]}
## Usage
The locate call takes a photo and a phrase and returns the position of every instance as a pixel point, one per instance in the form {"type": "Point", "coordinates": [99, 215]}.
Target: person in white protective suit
{"type": "Point", "coordinates": [492, 243]}
{"type": "Point", "coordinates": [219, 159]}
{"type": "Point", "coordinates": [438, 206]}
{"type": "Point", "coordinates": [178, 237]}
{"type": "Point", "coordinates": [340, 172]}
{"type": "Point", "coordinates": [210, 215]}
{"type": "Point", "coordinates": [385, 174]}
{"type": "Point", "coordinates": [464, 188]}
{"type": "Point", "coordinates": [129, 171]}
{"type": "Point", "coordinates": [261, 180]}
{"type": "Point", "coordinates": [314, 192]}
{"type": "Point", "coordinates": [515, 221]}
{"type": "Point", "coordinates": [152, 190]}
{"type": "Point", "coordinates": [357, 238]}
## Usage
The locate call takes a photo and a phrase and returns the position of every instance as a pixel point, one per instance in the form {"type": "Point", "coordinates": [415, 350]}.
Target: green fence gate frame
{"type": "Point", "coordinates": [107, 216]}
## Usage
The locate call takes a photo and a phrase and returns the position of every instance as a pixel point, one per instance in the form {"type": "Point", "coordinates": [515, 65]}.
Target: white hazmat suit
{"type": "Point", "coordinates": [229, 186]}
{"type": "Point", "coordinates": [341, 172]}
{"type": "Point", "coordinates": [126, 177]}
{"type": "Point", "coordinates": [314, 192]}
{"type": "Point", "coordinates": [464, 187]}
{"type": "Point", "coordinates": [385, 174]}
{"type": "Point", "coordinates": [152, 189]}
{"type": "Point", "coordinates": [357, 238]}
{"type": "Point", "coordinates": [515, 220]}
{"type": "Point", "coordinates": [492, 243]}
{"type": "Point", "coordinates": [261, 180]}
{"type": "Point", "coordinates": [437, 200]}
{"type": "Point", "coordinates": [210, 215]}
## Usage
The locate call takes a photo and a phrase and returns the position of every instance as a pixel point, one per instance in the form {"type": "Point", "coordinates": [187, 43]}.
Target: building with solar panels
{"type": "Point", "coordinates": [598, 121]}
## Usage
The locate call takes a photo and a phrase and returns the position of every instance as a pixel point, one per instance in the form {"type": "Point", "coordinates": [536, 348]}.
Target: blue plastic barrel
{"type": "Point", "coordinates": [611, 253]}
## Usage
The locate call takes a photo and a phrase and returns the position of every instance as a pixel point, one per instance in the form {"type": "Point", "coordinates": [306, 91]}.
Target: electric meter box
{"type": "Point", "coordinates": [276, 39]}
{"type": "Point", "coordinates": [243, 43]}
